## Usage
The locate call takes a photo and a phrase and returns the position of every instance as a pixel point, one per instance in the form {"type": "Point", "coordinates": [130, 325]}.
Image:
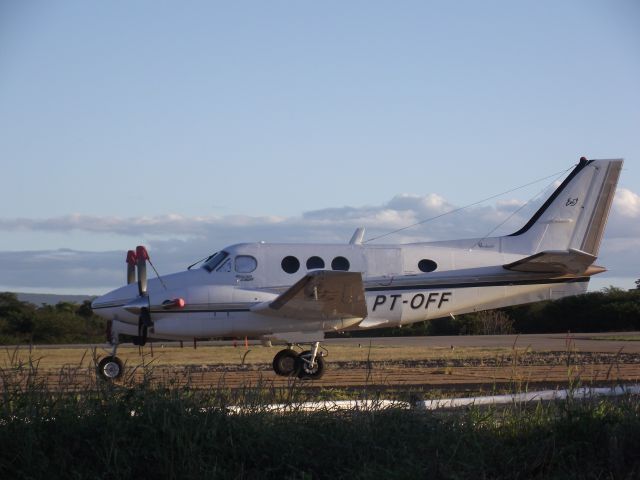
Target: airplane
{"type": "Point", "coordinates": [294, 293]}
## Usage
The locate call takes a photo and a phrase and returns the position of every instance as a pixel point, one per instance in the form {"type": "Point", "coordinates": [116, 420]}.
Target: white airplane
{"type": "Point", "coordinates": [296, 292]}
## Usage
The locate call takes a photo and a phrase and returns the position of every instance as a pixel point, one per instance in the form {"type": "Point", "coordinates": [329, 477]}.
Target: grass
{"type": "Point", "coordinates": [148, 430]}
{"type": "Point", "coordinates": [165, 433]}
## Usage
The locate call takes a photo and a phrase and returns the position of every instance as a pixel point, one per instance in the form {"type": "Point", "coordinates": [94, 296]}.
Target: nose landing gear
{"type": "Point", "coordinates": [306, 364]}
{"type": "Point", "coordinates": [110, 368]}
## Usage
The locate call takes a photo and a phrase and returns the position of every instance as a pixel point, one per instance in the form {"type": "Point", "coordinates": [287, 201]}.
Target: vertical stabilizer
{"type": "Point", "coordinates": [575, 214]}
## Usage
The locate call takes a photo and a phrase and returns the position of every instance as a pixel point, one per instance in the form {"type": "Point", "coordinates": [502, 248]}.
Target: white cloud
{"type": "Point", "coordinates": [624, 220]}
{"type": "Point", "coordinates": [431, 203]}
{"type": "Point", "coordinates": [626, 203]}
{"type": "Point", "coordinates": [159, 225]}
{"type": "Point", "coordinates": [175, 241]}
{"type": "Point", "coordinates": [510, 204]}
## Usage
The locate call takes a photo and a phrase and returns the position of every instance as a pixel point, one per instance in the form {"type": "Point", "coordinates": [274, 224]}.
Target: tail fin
{"type": "Point", "coordinates": [575, 215]}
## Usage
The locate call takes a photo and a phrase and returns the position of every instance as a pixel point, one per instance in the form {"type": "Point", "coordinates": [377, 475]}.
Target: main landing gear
{"type": "Point", "coordinates": [306, 364]}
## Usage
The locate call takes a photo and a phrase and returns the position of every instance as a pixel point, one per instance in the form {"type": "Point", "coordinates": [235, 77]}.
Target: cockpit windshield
{"type": "Point", "coordinates": [214, 260]}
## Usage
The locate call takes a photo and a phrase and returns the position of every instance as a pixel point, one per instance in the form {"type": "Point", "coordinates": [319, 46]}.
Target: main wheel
{"type": "Point", "coordinates": [304, 370]}
{"type": "Point", "coordinates": [110, 368]}
{"type": "Point", "coordinates": [284, 363]}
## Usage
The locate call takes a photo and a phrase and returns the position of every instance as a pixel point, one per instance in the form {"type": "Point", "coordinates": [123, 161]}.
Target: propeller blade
{"type": "Point", "coordinates": [142, 256]}
{"type": "Point", "coordinates": [131, 267]}
{"type": "Point", "coordinates": [144, 322]}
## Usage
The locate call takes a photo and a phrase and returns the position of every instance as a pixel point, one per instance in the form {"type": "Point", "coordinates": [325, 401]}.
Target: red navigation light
{"type": "Point", "coordinates": [175, 303]}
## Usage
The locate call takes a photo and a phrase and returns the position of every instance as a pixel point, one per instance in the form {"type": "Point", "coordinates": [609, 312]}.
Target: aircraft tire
{"type": "Point", "coordinates": [303, 370]}
{"type": "Point", "coordinates": [285, 362]}
{"type": "Point", "coordinates": [110, 368]}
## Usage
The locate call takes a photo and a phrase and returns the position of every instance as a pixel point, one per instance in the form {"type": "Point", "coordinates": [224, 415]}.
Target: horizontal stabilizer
{"type": "Point", "coordinates": [563, 262]}
{"type": "Point", "coordinates": [320, 295]}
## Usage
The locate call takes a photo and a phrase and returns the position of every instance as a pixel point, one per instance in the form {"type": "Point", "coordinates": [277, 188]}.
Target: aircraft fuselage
{"type": "Point", "coordinates": [219, 302]}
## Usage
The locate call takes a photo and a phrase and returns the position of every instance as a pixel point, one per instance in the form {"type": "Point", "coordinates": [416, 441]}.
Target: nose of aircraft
{"type": "Point", "coordinates": [104, 304]}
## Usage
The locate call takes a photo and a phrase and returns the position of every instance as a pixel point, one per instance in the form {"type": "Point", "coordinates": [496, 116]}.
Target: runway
{"type": "Point", "coordinates": [454, 363]}
{"type": "Point", "coordinates": [584, 342]}
{"type": "Point", "coordinates": [629, 342]}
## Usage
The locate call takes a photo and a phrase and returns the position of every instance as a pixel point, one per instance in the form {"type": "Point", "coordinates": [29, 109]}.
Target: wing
{"type": "Point", "coordinates": [320, 295]}
{"type": "Point", "coordinates": [563, 262]}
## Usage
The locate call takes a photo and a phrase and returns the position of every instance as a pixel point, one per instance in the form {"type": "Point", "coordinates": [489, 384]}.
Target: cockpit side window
{"type": "Point", "coordinates": [214, 261]}
{"type": "Point", "coordinates": [245, 264]}
{"type": "Point", "coordinates": [224, 266]}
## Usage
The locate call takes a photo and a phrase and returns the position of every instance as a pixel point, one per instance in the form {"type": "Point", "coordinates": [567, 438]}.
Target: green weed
{"type": "Point", "coordinates": [142, 429]}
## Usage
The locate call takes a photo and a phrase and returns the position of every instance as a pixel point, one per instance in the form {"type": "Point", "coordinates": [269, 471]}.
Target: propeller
{"type": "Point", "coordinates": [131, 267]}
{"type": "Point", "coordinates": [141, 258]}
{"type": "Point", "coordinates": [137, 261]}
{"type": "Point", "coordinates": [144, 319]}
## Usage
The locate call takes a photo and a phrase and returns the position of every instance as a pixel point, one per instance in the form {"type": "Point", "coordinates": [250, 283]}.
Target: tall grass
{"type": "Point", "coordinates": [147, 430]}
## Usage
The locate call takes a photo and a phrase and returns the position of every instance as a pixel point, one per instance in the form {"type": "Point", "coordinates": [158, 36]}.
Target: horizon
{"type": "Point", "coordinates": [189, 129]}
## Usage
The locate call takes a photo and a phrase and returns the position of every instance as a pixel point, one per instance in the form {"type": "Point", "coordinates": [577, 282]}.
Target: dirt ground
{"type": "Point", "coordinates": [445, 363]}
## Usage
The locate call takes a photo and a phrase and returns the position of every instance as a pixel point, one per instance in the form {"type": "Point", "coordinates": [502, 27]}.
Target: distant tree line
{"type": "Point", "coordinates": [24, 323]}
{"type": "Point", "coordinates": [611, 309]}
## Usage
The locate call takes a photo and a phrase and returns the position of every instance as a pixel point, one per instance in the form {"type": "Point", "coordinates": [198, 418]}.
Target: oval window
{"type": "Point", "coordinates": [340, 263]}
{"type": "Point", "coordinates": [314, 263]}
{"type": "Point", "coordinates": [245, 264]}
{"type": "Point", "coordinates": [290, 264]}
{"type": "Point", "coordinates": [426, 265]}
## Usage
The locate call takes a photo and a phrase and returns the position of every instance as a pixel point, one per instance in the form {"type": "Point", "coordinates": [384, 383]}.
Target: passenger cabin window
{"type": "Point", "coordinates": [426, 265]}
{"type": "Point", "coordinates": [214, 261]}
{"type": "Point", "coordinates": [315, 263]}
{"type": "Point", "coordinates": [245, 264]}
{"type": "Point", "coordinates": [340, 263]}
{"type": "Point", "coordinates": [290, 264]}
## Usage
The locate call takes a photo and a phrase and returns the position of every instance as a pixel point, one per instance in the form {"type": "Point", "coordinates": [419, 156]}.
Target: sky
{"type": "Point", "coordinates": [188, 126]}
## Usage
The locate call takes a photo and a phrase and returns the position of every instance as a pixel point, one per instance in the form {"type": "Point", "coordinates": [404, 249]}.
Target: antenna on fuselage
{"type": "Point", "coordinates": [201, 260]}
{"type": "Point", "coordinates": [357, 237]}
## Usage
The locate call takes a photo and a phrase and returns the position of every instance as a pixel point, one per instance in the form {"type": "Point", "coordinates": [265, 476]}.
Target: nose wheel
{"type": "Point", "coordinates": [110, 368]}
